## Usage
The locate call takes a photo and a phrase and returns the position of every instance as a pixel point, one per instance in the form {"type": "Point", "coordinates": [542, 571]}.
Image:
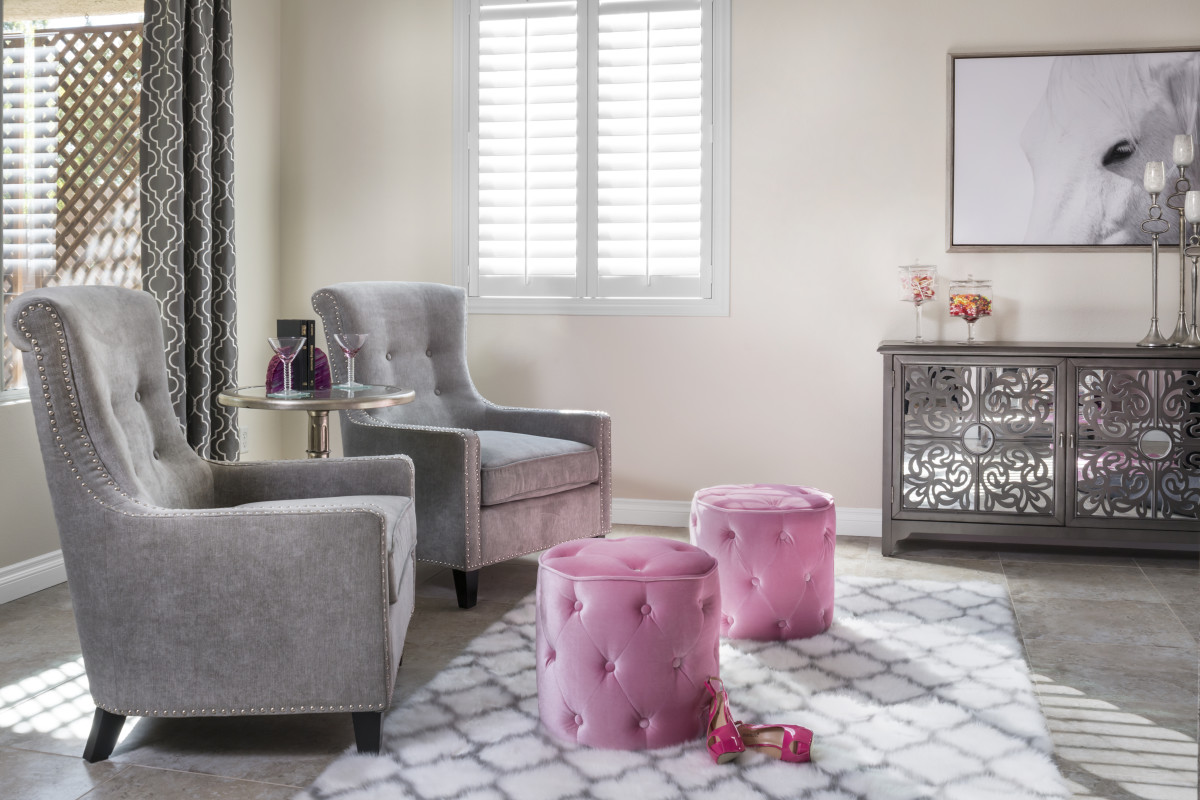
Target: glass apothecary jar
{"type": "Point", "coordinates": [971, 299]}
{"type": "Point", "coordinates": [918, 285]}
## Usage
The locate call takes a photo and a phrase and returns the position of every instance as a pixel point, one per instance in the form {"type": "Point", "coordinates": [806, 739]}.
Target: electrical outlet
{"type": "Point", "coordinates": [243, 439]}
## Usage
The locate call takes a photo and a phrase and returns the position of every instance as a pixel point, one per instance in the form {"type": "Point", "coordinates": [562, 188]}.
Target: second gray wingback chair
{"type": "Point", "coordinates": [203, 588]}
{"type": "Point", "coordinates": [492, 482]}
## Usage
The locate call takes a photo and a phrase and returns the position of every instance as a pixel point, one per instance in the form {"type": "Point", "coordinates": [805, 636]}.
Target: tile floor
{"type": "Point", "coordinates": [1111, 639]}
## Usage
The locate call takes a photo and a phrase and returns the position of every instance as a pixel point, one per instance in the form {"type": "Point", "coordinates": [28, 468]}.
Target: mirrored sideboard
{"type": "Point", "coordinates": [1041, 443]}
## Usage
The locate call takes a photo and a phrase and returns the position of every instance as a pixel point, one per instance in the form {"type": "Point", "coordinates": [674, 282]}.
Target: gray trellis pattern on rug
{"type": "Point", "coordinates": [187, 209]}
{"type": "Point", "coordinates": [918, 690]}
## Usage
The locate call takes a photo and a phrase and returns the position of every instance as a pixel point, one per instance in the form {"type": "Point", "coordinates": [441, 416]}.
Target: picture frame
{"type": "Point", "coordinates": [1046, 150]}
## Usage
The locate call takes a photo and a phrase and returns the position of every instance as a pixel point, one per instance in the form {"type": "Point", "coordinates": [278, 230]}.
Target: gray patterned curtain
{"type": "Point", "coordinates": [187, 208]}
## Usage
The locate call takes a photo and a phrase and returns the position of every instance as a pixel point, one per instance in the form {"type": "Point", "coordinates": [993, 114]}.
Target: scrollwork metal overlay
{"type": "Point", "coordinates": [1116, 408]}
{"type": "Point", "coordinates": [1114, 404]}
{"type": "Point", "coordinates": [1179, 490]}
{"type": "Point", "coordinates": [1018, 401]}
{"type": "Point", "coordinates": [938, 400]}
{"type": "Point", "coordinates": [938, 474]}
{"type": "Point", "coordinates": [1013, 404]}
{"type": "Point", "coordinates": [1018, 477]}
{"type": "Point", "coordinates": [1113, 481]}
{"type": "Point", "coordinates": [1179, 404]}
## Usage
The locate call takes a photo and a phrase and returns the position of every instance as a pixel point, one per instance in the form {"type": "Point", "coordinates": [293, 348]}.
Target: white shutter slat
{"type": "Point", "coordinates": [30, 163]}
{"type": "Point", "coordinates": [526, 119]}
{"type": "Point", "coordinates": [650, 143]}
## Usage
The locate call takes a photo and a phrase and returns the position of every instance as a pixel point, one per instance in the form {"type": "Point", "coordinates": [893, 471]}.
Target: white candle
{"type": "Point", "coordinates": [1191, 207]}
{"type": "Point", "coordinates": [1183, 150]}
{"type": "Point", "coordinates": [1155, 179]}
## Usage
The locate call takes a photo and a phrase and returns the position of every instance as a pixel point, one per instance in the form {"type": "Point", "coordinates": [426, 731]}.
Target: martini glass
{"type": "Point", "coordinates": [350, 344]}
{"type": "Point", "coordinates": [287, 348]}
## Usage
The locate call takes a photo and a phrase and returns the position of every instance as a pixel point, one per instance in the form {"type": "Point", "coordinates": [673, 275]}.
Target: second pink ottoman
{"type": "Point", "coordinates": [627, 634]}
{"type": "Point", "coordinates": [774, 546]}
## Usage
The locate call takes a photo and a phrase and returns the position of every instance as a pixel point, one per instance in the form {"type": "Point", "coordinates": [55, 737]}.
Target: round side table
{"type": "Point", "coordinates": [318, 403]}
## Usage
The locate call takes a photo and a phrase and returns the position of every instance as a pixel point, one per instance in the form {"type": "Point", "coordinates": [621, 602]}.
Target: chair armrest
{"type": "Point", "coordinates": [236, 608]}
{"type": "Point", "coordinates": [446, 466]}
{"type": "Point", "coordinates": [235, 483]}
{"type": "Point", "coordinates": [588, 427]}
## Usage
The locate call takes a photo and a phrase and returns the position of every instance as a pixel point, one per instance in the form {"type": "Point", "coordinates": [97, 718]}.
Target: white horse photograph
{"type": "Point", "coordinates": [1050, 150]}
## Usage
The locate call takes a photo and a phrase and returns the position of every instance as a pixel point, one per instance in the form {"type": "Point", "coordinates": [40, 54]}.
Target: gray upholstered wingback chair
{"type": "Point", "coordinates": [492, 483]}
{"type": "Point", "coordinates": [203, 588]}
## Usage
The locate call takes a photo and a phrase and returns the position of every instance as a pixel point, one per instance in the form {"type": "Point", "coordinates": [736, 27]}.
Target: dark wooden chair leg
{"type": "Point", "coordinates": [106, 728]}
{"type": "Point", "coordinates": [368, 730]}
{"type": "Point", "coordinates": [466, 585]}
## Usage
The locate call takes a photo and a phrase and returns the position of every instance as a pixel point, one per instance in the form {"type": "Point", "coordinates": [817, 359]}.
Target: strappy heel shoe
{"type": "Point", "coordinates": [785, 742]}
{"type": "Point", "coordinates": [724, 741]}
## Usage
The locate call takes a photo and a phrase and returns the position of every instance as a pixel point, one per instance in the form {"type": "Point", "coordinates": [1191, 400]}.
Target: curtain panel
{"type": "Point", "coordinates": [187, 209]}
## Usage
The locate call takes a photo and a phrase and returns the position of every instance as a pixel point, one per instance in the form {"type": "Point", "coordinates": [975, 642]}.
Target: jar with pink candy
{"type": "Point", "coordinates": [918, 285]}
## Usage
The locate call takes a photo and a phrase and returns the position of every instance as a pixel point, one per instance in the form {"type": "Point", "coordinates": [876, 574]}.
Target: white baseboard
{"type": "Point", "coordinates": [31, 576]}
{"type": "Point", "coordinates": [674, 514]}
{"type": "Point", "coordinates": [668, 513]}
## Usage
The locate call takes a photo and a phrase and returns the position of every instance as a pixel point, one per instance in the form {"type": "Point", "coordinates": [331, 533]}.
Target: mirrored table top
{"type": "Point", "coordinates": [317, 399]}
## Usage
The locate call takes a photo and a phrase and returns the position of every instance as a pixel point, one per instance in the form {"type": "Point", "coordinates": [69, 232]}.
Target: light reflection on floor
{"type": "Point", "coordinates": [56, 703]}
{"type": "Point", "coordinates": [1144, 759]}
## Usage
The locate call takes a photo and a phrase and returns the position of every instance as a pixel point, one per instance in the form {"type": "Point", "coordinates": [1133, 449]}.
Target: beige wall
{"type": "Point", "coordinates": [838, 176]}
{"type": "Point", "coordinates": [257, 89]}
{"type": "Point", "coordinates": [26, 521]}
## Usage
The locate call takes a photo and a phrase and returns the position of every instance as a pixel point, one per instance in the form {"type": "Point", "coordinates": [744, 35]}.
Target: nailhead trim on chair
{"type": "Point", "coordinates": [316, 508]}
{"type": "Point", "coordinates": [238, 712]}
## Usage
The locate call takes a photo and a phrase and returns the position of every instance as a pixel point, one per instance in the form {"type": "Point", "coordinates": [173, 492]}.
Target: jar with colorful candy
{"type": "Point", "coordinates": [971, 299]}
{"type": "Point", "coordinates": [918, 284]}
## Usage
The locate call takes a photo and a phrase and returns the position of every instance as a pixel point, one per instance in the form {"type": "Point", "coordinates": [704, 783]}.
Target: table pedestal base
{"type": "Point", "coordinates": [318, 434]}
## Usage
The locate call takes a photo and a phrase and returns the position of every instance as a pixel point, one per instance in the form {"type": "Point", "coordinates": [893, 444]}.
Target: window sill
{"type": "Point", "coordinates": [10, 397]}
{"type": "Point", "coordinates": [594, 306]}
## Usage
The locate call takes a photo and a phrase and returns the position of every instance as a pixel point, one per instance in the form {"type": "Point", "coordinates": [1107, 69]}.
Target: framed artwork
{"type": "Point", "coordinates": [1047, 150]}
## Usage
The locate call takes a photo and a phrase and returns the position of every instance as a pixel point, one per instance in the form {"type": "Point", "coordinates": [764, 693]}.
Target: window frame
{"type": "Point", "coordinates": [464, 95]}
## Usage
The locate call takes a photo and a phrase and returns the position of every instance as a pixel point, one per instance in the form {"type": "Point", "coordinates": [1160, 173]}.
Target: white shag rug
{"type": "Point", "coordinates": [918, 690]}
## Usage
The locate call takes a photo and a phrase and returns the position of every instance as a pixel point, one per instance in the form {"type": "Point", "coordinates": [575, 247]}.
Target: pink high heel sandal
{"type": "Point", "coordinates": [724, 741]}
{"type": "Point", "coordinates": [785, 742]}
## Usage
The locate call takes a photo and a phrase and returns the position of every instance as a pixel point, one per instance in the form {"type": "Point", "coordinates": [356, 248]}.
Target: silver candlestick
{"type": "Point", "coordinates": [1154, 225]}
{"type": "Point", "coordinates": [1176, 201]}
{"type": "Point", "coordinates": [1192, 251]}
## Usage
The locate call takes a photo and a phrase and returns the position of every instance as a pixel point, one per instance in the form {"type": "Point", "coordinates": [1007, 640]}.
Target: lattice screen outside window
{"type": "Point", "coordinates": [71, 143]}
{"type": "Point", "coordinates": [590, 133]}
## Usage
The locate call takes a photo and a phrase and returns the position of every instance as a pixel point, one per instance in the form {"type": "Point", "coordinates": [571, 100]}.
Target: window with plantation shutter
{"type": "Point", "coordinates": [72, 92]}
{"type": "Point", "coordinates": [592, 163]}
{"type": "Point", "coordinates": [30, 152]}
{"type": "Point", "coordinates": [527, 148]}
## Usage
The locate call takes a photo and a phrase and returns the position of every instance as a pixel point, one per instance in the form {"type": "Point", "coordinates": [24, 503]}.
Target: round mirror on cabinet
{"type": "Point", "coordinates": [978, 438]}
{"type": "Point", "coordinates": [1155, 443]}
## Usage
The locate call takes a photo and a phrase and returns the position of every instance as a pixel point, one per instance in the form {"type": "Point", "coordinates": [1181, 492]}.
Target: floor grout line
{"type": "Point", "coordinates": [1170, 607]}
{"type": "Point", "coordinates": [129, 768]}
{"type": "Point", "coordinates": [117, 770]}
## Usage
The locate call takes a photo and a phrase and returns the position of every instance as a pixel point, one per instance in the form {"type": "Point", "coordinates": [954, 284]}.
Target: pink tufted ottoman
{"type": "Point", "coordinates": [774, 545]}
{"type": "Point", "coordinates": [627, 633]}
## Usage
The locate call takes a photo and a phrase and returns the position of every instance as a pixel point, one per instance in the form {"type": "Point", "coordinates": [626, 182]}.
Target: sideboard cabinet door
{"type": "Point", "coordinates": [1137, 442]}
{"type": "Point", "coordinates": [978, 438]}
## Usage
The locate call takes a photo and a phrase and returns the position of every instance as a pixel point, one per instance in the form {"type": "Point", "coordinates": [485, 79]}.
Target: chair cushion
{"type": "Point", "coordinates": [517, 466]}
{"type": "Point", "coordinates": [401, 525]}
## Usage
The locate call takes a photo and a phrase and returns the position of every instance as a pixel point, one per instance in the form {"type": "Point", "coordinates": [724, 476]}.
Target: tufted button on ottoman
{"type": "Point", "coordinates": [775, 546]}
{"type": "Point", "coordinates": [627, 633]}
